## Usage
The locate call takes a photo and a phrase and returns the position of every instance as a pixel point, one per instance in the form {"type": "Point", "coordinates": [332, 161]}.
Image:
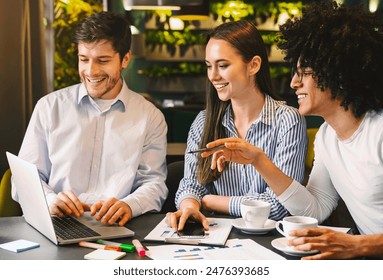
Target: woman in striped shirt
{"type": "Point", "coordinates": [240, 103]}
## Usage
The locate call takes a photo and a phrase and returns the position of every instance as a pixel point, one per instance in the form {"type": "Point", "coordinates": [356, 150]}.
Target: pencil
{"type": "Point", "coordinates": [207, 149]}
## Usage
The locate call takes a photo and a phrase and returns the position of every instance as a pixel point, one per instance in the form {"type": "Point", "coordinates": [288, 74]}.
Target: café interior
{"type": "Point", "coordinates": [167, 65]}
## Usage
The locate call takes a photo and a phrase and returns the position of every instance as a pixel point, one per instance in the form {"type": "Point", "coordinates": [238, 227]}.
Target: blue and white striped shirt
{"type": "Point", "coordinates": [280, 131]}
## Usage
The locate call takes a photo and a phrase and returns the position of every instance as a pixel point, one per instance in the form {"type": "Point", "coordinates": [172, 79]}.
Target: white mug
{"type": "Point", "coordinates": [295, 222]}
{"type": "Point", "coordinates": [255, 213]}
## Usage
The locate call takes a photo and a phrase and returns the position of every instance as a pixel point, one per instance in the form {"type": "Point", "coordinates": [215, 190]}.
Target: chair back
{"type": "Point", "coordinates": [311, 132]}
{"type": "Point", "coordinates": [8, 207]}
{"type": "Point", "coordinates": [175, 174]}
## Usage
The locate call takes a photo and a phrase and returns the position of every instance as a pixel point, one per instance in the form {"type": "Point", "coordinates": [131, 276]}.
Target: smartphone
{"type": "Point", "coordinates": [192, 229]}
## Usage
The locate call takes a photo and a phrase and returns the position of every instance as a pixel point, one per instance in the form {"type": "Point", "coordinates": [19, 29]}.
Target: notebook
{"type": "Point", "coordinates": [26, 180]}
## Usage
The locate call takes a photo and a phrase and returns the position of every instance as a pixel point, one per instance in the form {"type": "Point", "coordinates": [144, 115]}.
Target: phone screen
{"type": "Point", "coordinates": [192, 229]}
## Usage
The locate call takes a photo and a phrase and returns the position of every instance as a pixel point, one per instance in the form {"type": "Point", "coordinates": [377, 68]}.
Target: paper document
{"type": "Point", "coordinates": [219, 230]}
{"type": "Point", "coordinates": [235, 249]}
{"type": "Point", "coordinates": [340, 229]}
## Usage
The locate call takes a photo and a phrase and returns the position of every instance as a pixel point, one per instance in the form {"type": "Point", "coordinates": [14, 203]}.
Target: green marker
{"type": "Point", "coordinates": [124, 247]}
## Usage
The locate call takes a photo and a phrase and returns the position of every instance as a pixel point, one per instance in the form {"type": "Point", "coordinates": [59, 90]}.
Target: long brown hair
{"type": "Point", "coordinates": [246, 39]}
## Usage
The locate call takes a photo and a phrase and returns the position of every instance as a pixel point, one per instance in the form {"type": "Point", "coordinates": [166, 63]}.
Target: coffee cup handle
{"type": "Point", "coordinates": [277, 226]}
{"type": "Point", "coordinates": [248, 216]}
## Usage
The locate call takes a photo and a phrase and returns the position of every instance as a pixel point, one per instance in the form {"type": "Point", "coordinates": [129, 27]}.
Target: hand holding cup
{"type": "Point", "coordinates": [295, 222]}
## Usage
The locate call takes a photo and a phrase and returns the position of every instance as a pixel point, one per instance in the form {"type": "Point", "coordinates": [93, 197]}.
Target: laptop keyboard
{"type": "Point", "coordinates": [69, 228]}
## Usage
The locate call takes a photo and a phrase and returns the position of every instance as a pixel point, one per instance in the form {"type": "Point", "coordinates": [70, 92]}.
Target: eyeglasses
{"type": "Point", "coordinates": [300, 75]}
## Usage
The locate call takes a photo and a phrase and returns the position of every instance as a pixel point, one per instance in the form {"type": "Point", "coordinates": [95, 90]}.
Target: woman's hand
{"type": "Point", "coordinates": [235, 150]}
{"type": "Point", "coordinates": [189, 208]}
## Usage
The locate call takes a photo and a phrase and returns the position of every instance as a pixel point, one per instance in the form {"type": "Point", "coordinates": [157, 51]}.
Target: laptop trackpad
{"type": "Point", "coordinates": [110, 230]}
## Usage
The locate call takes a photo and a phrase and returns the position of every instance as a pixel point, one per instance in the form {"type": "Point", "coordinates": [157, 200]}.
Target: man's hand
{"type": "Point", "coordinates": [67, 203]}
{"type": "Point", "coordinates": [111, 210]}
{"type": "Point", "coordinates": [331, 244]}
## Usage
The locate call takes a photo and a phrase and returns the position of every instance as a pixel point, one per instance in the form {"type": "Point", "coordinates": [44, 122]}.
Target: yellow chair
{"type": "Point", "coordinates": [311, 132]}
{"type": "Point", "coordinates": [8, 207]}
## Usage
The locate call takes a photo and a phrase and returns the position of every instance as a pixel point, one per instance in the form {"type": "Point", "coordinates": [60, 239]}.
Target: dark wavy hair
{"type": "Point", "coordinates": [111, 26]}
{"type": "Point", "coordinates": [243, 36]}
{"type": "Point", "coordinates": [344, 47]}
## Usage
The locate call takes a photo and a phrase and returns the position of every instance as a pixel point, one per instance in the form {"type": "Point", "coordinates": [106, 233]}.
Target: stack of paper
{"type": "Point", "coordinates": [235, 249]}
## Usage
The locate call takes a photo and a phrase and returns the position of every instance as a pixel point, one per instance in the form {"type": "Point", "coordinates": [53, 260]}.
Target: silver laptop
{"type": "Point", "coordinates": [26, 180]}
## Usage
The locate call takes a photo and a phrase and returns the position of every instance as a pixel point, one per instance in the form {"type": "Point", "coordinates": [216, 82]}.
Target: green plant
{"type": "Point", "coordinates": [232, 10]}
{"type": "Point", "coordinates": [196, 68]}
{"type": "Point", "coordinates": [180, 69]}
{"type": "Point", "coordinates": [173, 39]}
{"type": "Point", "coordinates": [269, 37]}
{"type": "Point", "coordinates": [67, 14]}
{"type": "Point", "coordinates": [279, 71]}
{"type": "Point", "coordinates": [252, 10]}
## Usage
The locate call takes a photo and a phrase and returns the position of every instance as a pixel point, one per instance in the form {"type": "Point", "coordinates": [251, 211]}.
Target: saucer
{"type": "Point", "coordinates": [240, 224]}
{"type": "Point", "coordinates": [281, 244]}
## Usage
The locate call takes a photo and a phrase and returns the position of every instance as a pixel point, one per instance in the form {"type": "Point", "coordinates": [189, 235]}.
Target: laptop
{"type": "Point", "coordinates": [26, 180]}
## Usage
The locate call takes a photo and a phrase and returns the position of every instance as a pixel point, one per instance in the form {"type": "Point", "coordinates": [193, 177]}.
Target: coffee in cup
{"type": "Point", "coordinates": [255, 213]}
{"type": "Point", "coordinates": [295, 222]}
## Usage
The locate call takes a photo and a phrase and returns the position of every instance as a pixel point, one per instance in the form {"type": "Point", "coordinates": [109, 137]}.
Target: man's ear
{"type": "Point", "coordinates": [254, 65]}
{"type": "Point", "coordinates": [126, 59]}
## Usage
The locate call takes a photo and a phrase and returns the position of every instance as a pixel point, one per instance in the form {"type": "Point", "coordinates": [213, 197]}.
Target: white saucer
{"type": "Point", "coordinates": [281, 244]}
{"type": "Point", "coordinates": [240, 224]}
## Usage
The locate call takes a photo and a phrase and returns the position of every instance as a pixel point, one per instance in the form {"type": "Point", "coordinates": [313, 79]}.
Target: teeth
{"type": "Point", "coordinates": [221, 86]}
{"type": "Point", "coordinates": [94, 80]}
{"type": "Point", "coordinates": [301, 96]}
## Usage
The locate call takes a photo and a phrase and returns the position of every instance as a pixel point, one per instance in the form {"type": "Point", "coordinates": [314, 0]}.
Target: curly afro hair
{"type": "Point", "coordinates": [344, 47]}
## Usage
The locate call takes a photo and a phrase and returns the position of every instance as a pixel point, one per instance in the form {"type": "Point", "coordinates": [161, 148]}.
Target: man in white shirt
{"type": "Point", "coordinates": [99, 146]}
{"type": "Point", "coordinates": [337, 56]}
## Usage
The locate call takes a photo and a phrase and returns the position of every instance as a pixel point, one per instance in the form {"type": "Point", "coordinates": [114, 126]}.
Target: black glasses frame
{"type": "Point", "coordinates": [301, 74]}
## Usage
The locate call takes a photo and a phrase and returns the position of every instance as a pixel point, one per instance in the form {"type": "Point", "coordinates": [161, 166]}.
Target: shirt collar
{"type": "Point", "coordinates": [122, 97]}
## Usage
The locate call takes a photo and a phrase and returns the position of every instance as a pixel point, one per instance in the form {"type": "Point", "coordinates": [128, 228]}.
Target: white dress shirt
{"type": "Point", "coordinates": [118, 151]}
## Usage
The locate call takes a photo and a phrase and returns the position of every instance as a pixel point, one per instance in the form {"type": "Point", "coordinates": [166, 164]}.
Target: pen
{"type": "Point", "coordinates": [98, 246]}
{"type": "Point", "coordinates": [207, 149]}
{"type": "Point", "coordinates": [124, 247]}
{"type": "Point", "coordinates": [139, 248]}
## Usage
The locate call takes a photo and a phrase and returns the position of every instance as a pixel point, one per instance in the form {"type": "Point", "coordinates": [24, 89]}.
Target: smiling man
{"type": "Point", "coordinates": [99, 146]}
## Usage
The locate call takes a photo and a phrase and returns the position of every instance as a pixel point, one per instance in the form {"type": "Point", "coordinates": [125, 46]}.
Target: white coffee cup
{"type": "Point", "coordinates": [255, 213]}
{"type": "Point", "coordinates": [295, 222]}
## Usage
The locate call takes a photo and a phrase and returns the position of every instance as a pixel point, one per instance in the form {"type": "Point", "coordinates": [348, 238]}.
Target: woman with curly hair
{"type": "Point", "coordinates": [337, 57]}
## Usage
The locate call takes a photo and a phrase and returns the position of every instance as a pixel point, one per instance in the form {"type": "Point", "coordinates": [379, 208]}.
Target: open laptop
{"type": "Point", "coordinates": [26, 180]}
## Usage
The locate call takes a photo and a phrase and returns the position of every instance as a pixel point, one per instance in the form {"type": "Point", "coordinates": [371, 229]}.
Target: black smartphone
{"type": "Point", "coordinates": [192, 229]}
